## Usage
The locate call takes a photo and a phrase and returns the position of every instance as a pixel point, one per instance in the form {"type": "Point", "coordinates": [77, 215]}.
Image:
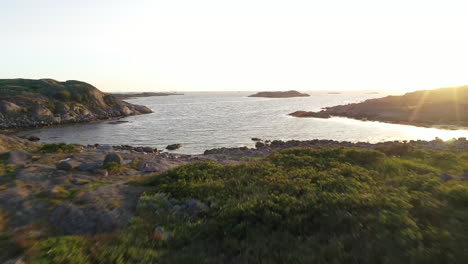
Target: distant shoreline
{"type": "Point", "coordinates": [122, 96]}
{"type": "Point", "coordinates": [427, 108]}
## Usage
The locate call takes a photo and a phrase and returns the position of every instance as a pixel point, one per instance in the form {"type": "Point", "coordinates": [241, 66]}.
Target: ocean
{"type": "Point", "coordinates": [205, 120]}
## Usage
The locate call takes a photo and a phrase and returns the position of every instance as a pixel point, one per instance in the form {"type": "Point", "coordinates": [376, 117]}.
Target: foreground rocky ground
{"type": "Point", "coordinates": [65, 189]}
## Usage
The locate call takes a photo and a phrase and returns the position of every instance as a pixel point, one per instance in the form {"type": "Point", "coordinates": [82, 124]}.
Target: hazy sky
{"type": "Point", "coordinates": [150, 45]}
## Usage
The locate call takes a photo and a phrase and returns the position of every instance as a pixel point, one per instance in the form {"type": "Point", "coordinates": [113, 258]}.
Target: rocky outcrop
{"type": "Point", "coordinates": [441, 107]}
{"type": "Point", "coordinates": [286, 94]}
{"type": "Point", "coordinates": [8, 143]}
{"type": "Point", "coordinates": [34, 103]}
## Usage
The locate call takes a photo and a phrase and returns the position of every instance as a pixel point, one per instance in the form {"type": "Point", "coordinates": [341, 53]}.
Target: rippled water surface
{"type": "Point", "coordinates": [202, 121]}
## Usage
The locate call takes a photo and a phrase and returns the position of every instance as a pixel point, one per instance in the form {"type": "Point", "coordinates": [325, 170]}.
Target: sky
{"type": "Point", "coordinates": [240, 45]}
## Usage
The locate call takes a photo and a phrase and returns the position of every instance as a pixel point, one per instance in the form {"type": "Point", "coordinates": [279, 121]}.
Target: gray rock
{"type": "Point", "coordinates": [33, 138]}
{"type": "Point", "coordinates": [64, 165]}
{"type": "Point", "coordinates": [446, 176]}
{"type": "Point", "coordinates": [196, 207]}
{"type": "Point", "coordinates": [139, 149]}
{"type": "Point", "coordinates": [149, 150]}
{"type": "Point", "coordinates": [68, 164]}
{"type": "Point", "coordinates": [113, 157]}
{"type": "Point", "coordinates": [464, 176]}
{"type": "Point", "coordinates": [78, 181]}
{"type": "Point", "coordinates": [173, 146]}
{"type": "Point", "coordinates": [19, 157]}
{"type": "Point", "coordinates": [104, 209]}
{"type": "Point", "coordinates": [89, 166]}
{"type": "Point", "coordinates": [259, 145]}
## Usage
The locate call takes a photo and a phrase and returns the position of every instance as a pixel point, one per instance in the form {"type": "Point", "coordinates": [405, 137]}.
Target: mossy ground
{"type": "Point", "coordinates": [329, 205]}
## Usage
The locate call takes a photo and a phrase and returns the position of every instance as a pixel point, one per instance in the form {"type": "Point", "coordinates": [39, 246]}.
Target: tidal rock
{"type": "Point", "coordinates": [149, 150]}
{"type": "Point", "coordinates": [33, 138]}
{"type": "Point", "coordinates": [103, 147]}
{"type": "Point", "coordinates": [259, 145]}
{"type": "Point", "coordinates": [173, 146]}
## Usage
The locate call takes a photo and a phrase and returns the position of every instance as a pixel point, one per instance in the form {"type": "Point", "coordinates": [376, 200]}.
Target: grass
{"type": "Point", "coordinates": [114, 167]}
{"type": "Point", "coordinates": [7, 171]}
{"type": "Point", "coordinates": [329, 205]}
{"type": "Point", "coordinates": [59, 148]}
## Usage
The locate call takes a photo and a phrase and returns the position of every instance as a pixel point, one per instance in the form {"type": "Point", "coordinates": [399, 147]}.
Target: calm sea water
{"type": "Point", "coordinates": [201, 121]}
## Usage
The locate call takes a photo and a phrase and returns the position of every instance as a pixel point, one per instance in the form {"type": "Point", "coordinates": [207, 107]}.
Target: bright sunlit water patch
{"type": "Point", "coordinates": [201, 121]}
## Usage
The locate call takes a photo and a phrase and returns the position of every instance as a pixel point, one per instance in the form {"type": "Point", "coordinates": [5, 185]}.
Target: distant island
{"type": "Point", "coordinates": [123, 96]}
{"type": "Point", "coordinates": [439, 107]}
{"type": "Point", "coordinates": [28, 103]}
{"type": "Point", "coordinates": [286, 94]}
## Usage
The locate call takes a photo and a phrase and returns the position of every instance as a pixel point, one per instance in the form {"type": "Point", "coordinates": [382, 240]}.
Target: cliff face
{"type": "Point", "coordinates": [445, 106]}
{"type": "Point", "coordinates": [33, 103]}
{"type": "Point", "coordinates": [286, 94]}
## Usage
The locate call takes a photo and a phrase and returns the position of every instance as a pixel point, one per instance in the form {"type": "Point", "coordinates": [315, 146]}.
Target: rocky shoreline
{"type": "Point", "coordinates": [436, 108]}
{"type": "Point", "coordinates": [36, 103]}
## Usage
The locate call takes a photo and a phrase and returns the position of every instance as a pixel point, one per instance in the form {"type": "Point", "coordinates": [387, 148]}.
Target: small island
{"type": "Point", "coordinates": [123, 96]}
{"type": "Point", "coordinates": [286, 94]}
{"type": "Point", "coordinates": [26, 103]}
{"type": "Point", "coordinates": [444, 107]}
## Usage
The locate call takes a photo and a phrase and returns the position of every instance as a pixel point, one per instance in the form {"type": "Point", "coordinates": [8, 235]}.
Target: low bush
{"type": "Point", "coordinates": [59, 148]}
{"type": "Point", "coordinates": [330, 205]}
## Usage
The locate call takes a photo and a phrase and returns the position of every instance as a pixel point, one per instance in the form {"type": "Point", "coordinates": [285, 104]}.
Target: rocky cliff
{"type": "Point", "coordinates": [33, 103]}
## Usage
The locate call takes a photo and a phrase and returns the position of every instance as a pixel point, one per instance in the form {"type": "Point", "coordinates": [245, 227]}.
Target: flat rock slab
{"type": "Point", "coordinates": [19, 157]}
{"type": "Point", "coordinates": [104, 209]}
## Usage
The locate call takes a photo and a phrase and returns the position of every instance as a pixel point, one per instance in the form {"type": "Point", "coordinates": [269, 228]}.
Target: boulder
{"type": "Point", "coordinates": [259, 145]}
{"type": "Point", "coordinates": [173, 146]}
{"type": "Point", "coordinates": [113, 157]}
{"type": "Point", "coordinates": [149, 150]}
{"type": "Point", "coordinates": [67, 164]}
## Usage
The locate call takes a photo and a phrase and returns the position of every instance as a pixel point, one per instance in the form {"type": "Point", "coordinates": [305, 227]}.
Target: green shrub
{"type": "Point", "coordinates": [329, 205]}
{"type": "Point", "coordinates": [59, 148]}
{"type": "Point", "coordinates": [67, 249]}
{"type": "Point", "coordinates": [64, 95]}
{"type": "Point", "coordinates": [114, 167]}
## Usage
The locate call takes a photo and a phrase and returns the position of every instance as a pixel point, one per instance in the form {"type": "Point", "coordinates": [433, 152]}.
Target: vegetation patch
{"type": "Point", "coordinates": [330, 205]}
{"type": "Point", "coordinates": [114, 167]}
{"type": "Point", "coordinates": [59, 148]}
